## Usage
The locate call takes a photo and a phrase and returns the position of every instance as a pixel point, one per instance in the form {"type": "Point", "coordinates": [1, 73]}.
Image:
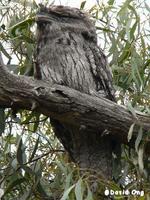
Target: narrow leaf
{"type": "Point", "coordinates": [2, 49]}
{"type": "Point", "coordinates": [68, 181]}
{"type": "Point", "coordinates": [132, 31]}
{"type": "Point", "coordinates": [82, 5]}
{"type": "Point", "coordinates": [125, 54]}
{"type": "Point", "coordinates": [36, 124]}
{"type": "Point", "coordinates": [21, 25]}
{"type": "Point", "coordinates": [147, 7]}
{"type": "Point", "coordinates": [131, 109]}
{"type": "Point", "coordinates": [78, 190]}
{"type": "Point", "coordinates": [89, 195]}
{"type": "Point", "coordinates": [65, 196]}
{"type": "Point", "coordinates": [111, 2]}
{"type": "Point", "coordinates": [20, 152]}
{"type": "Point", "coordinates": [138, 139]}
{"type": "Point", "coordinates": [34, 150]}
{"type": "Point", "coordinates": [130, 133]}
{"type": "Point", "coordinates": [128, 24]}
{"type": "Point", "coordinates": [140, 157]}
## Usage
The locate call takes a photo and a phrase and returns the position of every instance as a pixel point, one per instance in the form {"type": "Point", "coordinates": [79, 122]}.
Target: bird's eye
{"type": "Point", "coordinates": [85, 34]}
{"type": "Point", "coordinates": [50, 22]}
{"type": "Point", "coordinates": [42, 24]}
{"type": "Point", "coordinates": [60, 41]}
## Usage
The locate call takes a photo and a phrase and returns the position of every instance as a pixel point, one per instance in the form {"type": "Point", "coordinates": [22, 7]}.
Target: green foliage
{"type": "Point", "coordinates": [33, 164]}
{"type": "Point", "coordinates": [127, 43]}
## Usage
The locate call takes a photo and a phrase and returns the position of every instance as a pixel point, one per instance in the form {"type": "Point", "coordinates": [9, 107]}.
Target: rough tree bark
{"type": "Point", "coordinates": [69, 106]}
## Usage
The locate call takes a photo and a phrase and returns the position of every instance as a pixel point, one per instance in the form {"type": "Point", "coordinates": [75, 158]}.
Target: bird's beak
{"type": "Point", "coordinates": [42, 18]}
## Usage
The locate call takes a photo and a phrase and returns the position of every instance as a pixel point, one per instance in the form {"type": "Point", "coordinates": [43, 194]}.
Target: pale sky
{"type": "Point", "coordinates": [73, 3]}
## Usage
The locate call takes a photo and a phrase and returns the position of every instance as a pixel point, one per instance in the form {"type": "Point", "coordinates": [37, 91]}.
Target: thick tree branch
{"type": "Point", "coordinates": [68, 105]}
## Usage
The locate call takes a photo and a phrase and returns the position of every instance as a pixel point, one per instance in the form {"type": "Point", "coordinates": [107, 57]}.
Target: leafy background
{"type": "Point", "coordinates": [33, 164]}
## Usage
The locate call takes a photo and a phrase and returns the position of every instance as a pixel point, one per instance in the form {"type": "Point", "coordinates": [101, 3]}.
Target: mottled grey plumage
{"type": "Point", "coordinates": [67, 53]}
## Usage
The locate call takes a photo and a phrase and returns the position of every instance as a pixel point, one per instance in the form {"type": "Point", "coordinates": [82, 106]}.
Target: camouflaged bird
{"type": "Point", "coordinates": [67, 53]}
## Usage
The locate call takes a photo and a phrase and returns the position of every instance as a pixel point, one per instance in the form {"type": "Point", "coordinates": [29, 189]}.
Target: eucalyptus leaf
{"type": "Point", "coordinates": [68, 180]}
{"type": "Point", "coordinates": [147, 6]}
{"type": "Point", "coordinates": [3, 50]}
{"type": "Point", "coordinates": [89, 194]}
{"type": "Point", "coordinates": [34, 150]}
{"type": "Point", "coordinates": [15, 29]}
{"type": "Point", "coordinates": [111, 2]}
{"type": "Point", "coordinates": [67, 192]}
{"type": "Point", "coordinates": [138, 139]}
{"type": "Point", "coordinates": [140, 158]}
{"type": "Point", "coordinates": [21, 157]}
{"type": "Point", "coordinates": [79, 190]}
{"type": "Point", "coordinates": [82, 5]}
{"type": "Point", "coordinates": [130, 133]}
{"type": "Point", "coordinates": [131, 109]}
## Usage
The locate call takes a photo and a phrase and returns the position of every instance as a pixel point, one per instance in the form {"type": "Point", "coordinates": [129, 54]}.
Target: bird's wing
{"type": "Point", "coordinates": [101, 71]}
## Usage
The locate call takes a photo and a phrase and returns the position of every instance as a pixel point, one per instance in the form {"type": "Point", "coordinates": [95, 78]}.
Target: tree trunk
{"type": "Point", "coordinates": [90, 150]}
{"type": "Point", "coordinates": [87, 115]}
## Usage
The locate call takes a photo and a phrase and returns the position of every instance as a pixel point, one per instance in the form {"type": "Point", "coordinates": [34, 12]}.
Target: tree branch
{"type": "Point", "coordinates": [68, 105]}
